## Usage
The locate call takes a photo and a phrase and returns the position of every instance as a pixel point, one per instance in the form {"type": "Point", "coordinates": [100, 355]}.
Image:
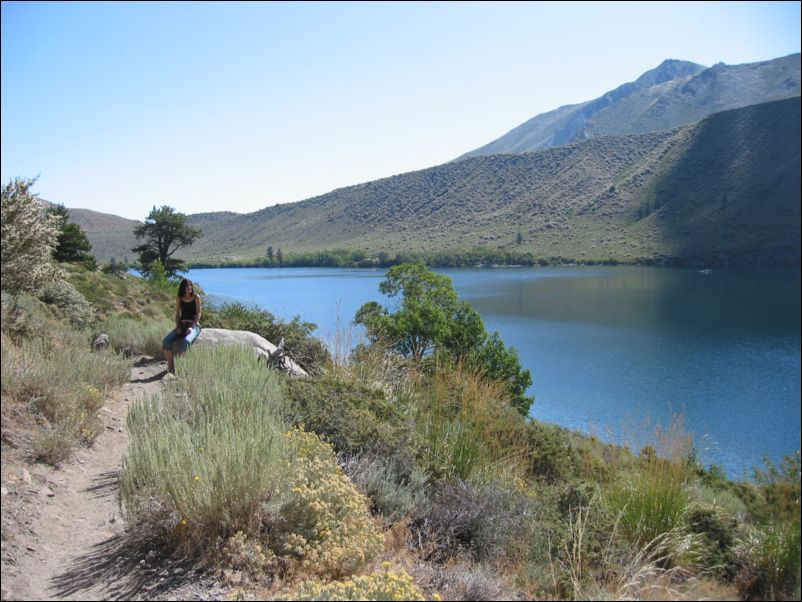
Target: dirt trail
{"type": "Point", "coordinates": [63, 536]}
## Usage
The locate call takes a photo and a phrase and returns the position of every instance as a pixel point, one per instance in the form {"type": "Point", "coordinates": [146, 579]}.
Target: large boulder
{"type": "Point", "coordinates": [263, 348]}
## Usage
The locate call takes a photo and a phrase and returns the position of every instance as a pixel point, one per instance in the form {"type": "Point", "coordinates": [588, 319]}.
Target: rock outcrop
{"type": "Point", "coordinates": [261, 346]}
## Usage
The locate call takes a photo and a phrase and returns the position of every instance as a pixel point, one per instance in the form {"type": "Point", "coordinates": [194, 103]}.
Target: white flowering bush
{"type": "Point", "coordinates": [28, 235]}
{"type": "Point", "coordinates": [71, 304]}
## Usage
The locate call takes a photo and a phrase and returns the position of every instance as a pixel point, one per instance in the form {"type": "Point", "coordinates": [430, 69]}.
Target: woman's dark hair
{"type": "Point", "coordinates": [182, 288]}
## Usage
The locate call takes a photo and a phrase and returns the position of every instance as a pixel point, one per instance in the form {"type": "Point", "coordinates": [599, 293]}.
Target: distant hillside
{"type": "Point", "coordinates": [113, 236]}
{"type": "Point", "coordinates": [110, 235]}
{"type": "Point", "coordinates": [675, 93]}
{"type": "Point", "coordinates": [727, 188]}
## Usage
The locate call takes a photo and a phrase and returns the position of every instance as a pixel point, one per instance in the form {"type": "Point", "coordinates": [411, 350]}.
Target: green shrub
{"type": "Point", "coordinates": [209, 457]}
{"type": "Point", "coordinates": [71, 304]}
{"type": "Point", "coordinates": [158, 279]}
{"type": "Point", "coordinates": [552, 457]}
{"type": "Point", "coordinates": [723, 498]}
{"type": "Point", "coordinates": [770, 557]}
{"type": "Point", "coordinates": [714, 550]}
{"type": "Point", "coordinates": [26, 317]}
{"type": "Point", "coordinates": [481, 519]}
{"type": "Point", "coordinates": [394, 496]}
{"type": "Point", "coordinates": [133, 337]}
{"type": "Point", "coordinates": [355, 419]}
{"type": "Point", "coordinates": [780, 486]}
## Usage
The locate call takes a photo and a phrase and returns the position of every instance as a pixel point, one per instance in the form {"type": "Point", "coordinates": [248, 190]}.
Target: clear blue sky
{"type": "Point", "coordinates": [209, 106]}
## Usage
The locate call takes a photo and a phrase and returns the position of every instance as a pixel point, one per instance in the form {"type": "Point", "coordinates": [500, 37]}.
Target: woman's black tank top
{"type": "Point", "coordinates": [188, 310]}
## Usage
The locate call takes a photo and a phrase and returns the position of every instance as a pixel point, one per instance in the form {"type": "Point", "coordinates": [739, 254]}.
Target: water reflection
{"type": "Point", "coordinates": [729, 303]}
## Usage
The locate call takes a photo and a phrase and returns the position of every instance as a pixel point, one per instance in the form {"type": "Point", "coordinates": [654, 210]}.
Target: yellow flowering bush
{"type": "Point", "coordinates": [383, 585]}
{"type": "Point", "coordinates": [249, 556]}
{"type": "Point", "coordinates": [92, 396]}
{"type": "Point", "coordinates": [326, 528]}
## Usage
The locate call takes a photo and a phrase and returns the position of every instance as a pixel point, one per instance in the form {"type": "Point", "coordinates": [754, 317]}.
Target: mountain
{"type": "Point", "coordinates": [726, 188]}
{"type": "Point", "coordinates": [113, 236]}
{"type": "Point", "coordinates": [110, 235]}
{"type": "Point", "coordinates": [675, 93]}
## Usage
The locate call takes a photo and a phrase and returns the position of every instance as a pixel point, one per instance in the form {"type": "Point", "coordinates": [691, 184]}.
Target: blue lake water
{"type": "Point", "coordinates": [608, 348]}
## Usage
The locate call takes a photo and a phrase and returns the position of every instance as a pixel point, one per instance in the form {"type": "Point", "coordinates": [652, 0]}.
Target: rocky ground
{"type": "Point", "coordinates": [63, 537]}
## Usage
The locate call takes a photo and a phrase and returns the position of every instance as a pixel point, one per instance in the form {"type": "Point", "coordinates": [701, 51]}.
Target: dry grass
{"type": "Point", "coordinates": [468, 425]}
{"type": "Point", "coordinates": [63, 383]}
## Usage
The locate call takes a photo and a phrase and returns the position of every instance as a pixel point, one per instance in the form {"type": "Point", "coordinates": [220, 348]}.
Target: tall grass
{"type": "Point", "coordinates": [468, 425]}
{"type": "Point", "coordinates": [655, 498]}
{"type": "Point", "coordinates": [209, 457]}
{"type": "Point", "coordinates": [132, 336]}
{"type": "Point", "coordinates": [56, 373]}
{"type": "Point", "coordinates": [64, 382]}
{"type": "Point", "coordinates": [770, 559]}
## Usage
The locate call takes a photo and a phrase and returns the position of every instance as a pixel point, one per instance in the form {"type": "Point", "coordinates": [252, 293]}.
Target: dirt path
{"type": "Point", "coordinates": [63, 536]}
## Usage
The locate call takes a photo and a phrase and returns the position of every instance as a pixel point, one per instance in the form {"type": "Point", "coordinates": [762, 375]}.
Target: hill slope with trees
{"type": "Point", "coordinates": [649, 197]}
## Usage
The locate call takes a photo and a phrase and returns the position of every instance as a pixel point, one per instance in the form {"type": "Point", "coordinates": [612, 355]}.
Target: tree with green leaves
{"type": "Point", "coordinates": [73, 245]}
{"type": "Point", "coordinates": [432, 319]}
{"type": "Point", "coordinates": [165, 231]}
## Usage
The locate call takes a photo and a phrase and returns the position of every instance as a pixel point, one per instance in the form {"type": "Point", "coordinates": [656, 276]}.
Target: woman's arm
{"type": "Point", "coordinates": [197, 311]}
{"type": "Point", "coordinates": [178, 313]}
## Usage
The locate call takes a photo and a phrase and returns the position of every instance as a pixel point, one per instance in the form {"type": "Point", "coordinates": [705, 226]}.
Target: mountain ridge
{"type": "Point", "coordinates": [673, 94]}
{"type": "Point", "coordinates": [629, 198]}
{"type": "Point", "coordinates": [723, 190]}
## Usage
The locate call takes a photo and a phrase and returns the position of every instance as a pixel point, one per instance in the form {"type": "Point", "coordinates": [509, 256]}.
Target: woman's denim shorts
{"type": "Point", "coordinates": [183, 342]}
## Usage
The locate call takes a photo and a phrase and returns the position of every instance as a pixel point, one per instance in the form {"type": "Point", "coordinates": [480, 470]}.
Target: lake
{"type": "Point", "coordinates": [609, 348]}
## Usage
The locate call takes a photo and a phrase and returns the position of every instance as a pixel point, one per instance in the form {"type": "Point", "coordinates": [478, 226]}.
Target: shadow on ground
{"type": "Point", "coordinates": [121, 568]}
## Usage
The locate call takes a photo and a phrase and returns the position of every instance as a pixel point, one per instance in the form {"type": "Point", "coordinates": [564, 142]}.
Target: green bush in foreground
{"type": "Point", "coordinates": [132, 337]}
{"type": "Point", "coordinates": [323, 529]}
{"type": "Point", "coordinates": [355, 419]}
{"type": "Point", "coordinates": [209, 457]}
{"type": "Point", "coordinates": [209, 462]}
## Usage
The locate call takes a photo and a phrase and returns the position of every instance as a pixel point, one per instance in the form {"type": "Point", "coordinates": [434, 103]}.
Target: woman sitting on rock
{"type": "Point", "coordinates": [187, 322]}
